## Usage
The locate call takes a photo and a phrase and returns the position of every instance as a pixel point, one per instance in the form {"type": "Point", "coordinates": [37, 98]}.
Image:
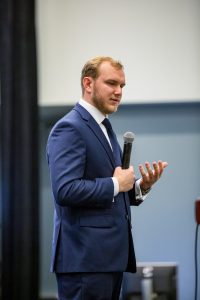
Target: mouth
{"type": "Point", "coordinates": [115, 101]}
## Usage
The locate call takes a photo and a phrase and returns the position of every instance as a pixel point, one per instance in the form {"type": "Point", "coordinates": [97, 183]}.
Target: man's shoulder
{"type": "Point", "coordinates": [74, 118]}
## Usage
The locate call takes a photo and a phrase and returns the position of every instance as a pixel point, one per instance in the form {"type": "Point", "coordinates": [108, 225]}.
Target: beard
{"type": "Point", "coordinates": [101, 104]}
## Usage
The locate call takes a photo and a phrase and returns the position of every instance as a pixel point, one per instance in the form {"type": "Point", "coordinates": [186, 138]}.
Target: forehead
{"type": "Point", "coordinates": [106, 70]}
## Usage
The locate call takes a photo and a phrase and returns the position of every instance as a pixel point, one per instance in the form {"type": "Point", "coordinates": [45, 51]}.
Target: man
{"type": "Point", "coordinates": [92, 242]}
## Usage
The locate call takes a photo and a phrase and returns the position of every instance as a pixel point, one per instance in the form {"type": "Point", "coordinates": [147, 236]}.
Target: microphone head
{"type": "Point", "coordinates": [129, 137]}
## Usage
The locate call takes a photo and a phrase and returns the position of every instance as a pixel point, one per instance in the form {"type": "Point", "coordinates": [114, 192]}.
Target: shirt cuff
{"type": "Point", "coordinates": [138, 191]}
{"type": "Point", "coordinates": [116, 186]}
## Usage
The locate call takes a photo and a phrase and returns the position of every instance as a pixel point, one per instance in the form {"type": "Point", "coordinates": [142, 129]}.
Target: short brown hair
{"type": "Point", "coordinates": [91, 68]}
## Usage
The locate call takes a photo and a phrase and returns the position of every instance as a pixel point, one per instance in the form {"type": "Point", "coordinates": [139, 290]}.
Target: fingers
{"type": "Point", "coordinates": [119, 170]}
{"type": "Point", "coordinates": [157, 170]}
{"type": "Point", "coordinates": [151, 175]}
{"type": "Point", "coordinates": [125, 177]}
{"type": "Point", "coordinates": [161, 166]}
{"type": "Point", "coordinates": [143, 172]}
{"type": "Point", "coordinates": [148, 177]}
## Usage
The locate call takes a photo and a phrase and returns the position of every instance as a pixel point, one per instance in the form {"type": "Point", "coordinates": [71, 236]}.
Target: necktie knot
{"type": "Point", "coordinates": [107, 124]}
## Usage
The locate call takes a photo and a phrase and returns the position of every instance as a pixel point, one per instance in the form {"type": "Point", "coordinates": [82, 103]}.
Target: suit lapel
{"type": "Point", "coordinates": [95, 128]}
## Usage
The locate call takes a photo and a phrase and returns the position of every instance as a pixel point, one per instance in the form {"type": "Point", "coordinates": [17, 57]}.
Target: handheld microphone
{"type": "Point", "coordinates": [128, 140]}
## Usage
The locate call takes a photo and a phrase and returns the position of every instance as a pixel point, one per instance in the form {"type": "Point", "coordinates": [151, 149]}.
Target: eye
{"type": "Point", "coordinates": [114, 83]}
{"type": "Point", "coordinates": [111, 82]}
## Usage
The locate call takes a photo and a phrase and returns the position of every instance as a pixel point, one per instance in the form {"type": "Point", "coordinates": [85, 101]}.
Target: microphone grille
{"type": "Point", "coordinates": [129, 137]}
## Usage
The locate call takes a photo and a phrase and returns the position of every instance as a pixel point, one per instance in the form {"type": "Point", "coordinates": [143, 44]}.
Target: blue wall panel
{"type": "Point", "coordinates": [164, 225]}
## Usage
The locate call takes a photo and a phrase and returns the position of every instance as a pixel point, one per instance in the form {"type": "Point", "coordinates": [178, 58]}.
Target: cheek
{"type": "Point", "coordinates": [107, 92]}
{"type": "Point", "coordinates": [103, 94]}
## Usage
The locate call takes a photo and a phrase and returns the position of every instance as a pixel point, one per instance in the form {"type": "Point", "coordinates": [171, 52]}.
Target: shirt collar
{"type": "Point", "coordinates": [93, 111]}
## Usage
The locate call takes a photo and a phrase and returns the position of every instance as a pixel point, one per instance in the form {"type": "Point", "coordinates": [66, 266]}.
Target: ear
{"type": "Point", "coordinates": [88, 84]}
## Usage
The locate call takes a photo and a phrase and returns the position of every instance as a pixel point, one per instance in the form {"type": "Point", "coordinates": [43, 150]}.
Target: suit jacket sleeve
{"type": "Point", "coordinates": [67, 157]}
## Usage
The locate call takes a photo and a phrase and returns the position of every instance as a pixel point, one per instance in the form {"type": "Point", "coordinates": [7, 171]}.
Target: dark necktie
{"type": "Point", "coordinates": [113, 141]}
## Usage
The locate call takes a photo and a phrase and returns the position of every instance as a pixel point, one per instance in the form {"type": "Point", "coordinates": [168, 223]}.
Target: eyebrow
{"type": "Point", "coordinates": [115, 82]}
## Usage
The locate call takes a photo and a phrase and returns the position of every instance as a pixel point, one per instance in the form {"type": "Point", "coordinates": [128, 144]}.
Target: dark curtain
{"type": "Point", "coordinates": [19, 151]}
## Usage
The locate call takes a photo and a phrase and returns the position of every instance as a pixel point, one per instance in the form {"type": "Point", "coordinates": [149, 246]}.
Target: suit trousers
{"type": "Point", "coordinates": [89, 286]}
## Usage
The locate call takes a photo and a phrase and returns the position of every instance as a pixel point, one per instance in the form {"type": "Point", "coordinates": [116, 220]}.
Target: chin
{"type": "Point", "coordinates": [110, 109]}
{"type": "Point", "coordinates": [115, 108]}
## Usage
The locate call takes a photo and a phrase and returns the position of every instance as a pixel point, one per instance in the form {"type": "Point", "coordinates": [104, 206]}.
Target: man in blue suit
{"type": "Point", "coordinates": [92, 241]}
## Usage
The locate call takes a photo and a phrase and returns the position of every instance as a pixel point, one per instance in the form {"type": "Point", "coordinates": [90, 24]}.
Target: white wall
{"type": "Point", "coordinates": [156, 40]}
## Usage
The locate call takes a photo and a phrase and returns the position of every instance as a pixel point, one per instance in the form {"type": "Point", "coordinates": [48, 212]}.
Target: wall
{"type": "Point", "coordinates": [157, 41]}
{"type": "Point", "coordinates": [163, 226]}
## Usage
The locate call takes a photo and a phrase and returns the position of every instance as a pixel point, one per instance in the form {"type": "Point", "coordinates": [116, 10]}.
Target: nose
{"type": "Point", "coordinates": [118, 90]}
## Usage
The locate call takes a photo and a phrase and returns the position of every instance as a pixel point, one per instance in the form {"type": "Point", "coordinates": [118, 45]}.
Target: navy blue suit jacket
{"type": "Point", "coordinates": [91, 232]}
